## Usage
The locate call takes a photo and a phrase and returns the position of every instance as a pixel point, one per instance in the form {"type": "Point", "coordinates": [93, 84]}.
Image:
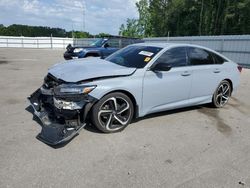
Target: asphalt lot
{"type": "Point", "coordinates": [192, 147]}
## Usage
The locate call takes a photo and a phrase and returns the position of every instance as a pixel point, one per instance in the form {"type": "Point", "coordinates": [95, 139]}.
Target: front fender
{"type": "Point", "coordinates": [129, 84]}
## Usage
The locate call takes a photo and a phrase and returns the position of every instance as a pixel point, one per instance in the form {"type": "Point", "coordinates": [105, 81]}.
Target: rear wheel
{"type": "Point", "coordinates": [222, 94]}
{"type": "Point", "coordinates": [113, 112]}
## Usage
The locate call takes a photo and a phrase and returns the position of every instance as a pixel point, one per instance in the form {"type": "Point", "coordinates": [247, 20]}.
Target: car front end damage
{"type": "Point", "coordinates": [62, 108]}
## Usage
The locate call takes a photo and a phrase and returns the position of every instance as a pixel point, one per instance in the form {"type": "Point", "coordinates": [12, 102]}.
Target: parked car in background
{"type": "Point", "coordinates": [135, 81]}
{"type": "Point", "coordinates": [102, 48]}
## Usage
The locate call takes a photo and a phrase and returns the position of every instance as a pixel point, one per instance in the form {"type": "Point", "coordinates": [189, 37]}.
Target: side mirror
{"type": "Point", "coordinates": [106, 45]}
{"type": "Point", "coordinates": [161, 67]}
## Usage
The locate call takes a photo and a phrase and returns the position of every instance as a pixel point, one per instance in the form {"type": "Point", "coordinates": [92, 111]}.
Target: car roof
{"type": "Point", "coordinates": [168, 45]}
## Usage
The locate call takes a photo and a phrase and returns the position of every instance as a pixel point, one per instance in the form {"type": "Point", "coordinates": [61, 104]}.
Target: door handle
{"type": "Point", "coordinates": [217, 71]}
{"type": "Point", "coordinates": [186, 73]}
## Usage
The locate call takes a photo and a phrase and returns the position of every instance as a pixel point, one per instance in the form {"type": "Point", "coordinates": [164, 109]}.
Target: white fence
{"type": "Point", "coordinates": [235, 47]}
{"type": "Point", "coordinates": [56, 42]}
{"type": "Point", "coordinates": [34, 42]}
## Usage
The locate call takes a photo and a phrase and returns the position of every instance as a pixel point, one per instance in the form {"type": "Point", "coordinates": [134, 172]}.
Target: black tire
{"type": "Point", "coordinates": [113, 112]}
{"type": "Point", "coordinates": [222, 94]}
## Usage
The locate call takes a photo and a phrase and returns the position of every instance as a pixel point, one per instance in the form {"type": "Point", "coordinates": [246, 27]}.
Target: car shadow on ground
{"type": "Point", "coordinates": [91, 128]}
{"type": "Point", "coordinates": [169, 112]}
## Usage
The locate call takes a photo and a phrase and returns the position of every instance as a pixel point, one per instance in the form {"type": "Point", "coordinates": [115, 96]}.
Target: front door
{"type": "Point", "coordinates": [164, 90]}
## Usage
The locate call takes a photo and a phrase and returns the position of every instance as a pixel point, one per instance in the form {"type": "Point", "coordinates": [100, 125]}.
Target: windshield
{"type": "Point", "coordinates": [97, 43]}
{"type": "Point", "coordinates": [134, 56]}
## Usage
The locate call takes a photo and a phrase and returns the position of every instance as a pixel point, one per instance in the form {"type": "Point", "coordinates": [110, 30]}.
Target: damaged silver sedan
{"type": "Point", "coordinates": [133, 82]}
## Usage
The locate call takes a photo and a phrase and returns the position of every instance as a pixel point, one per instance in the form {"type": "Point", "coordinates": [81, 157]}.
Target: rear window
{"type": "Point", "coordinates": [134, 56]}
{"type": "Point", "coordinates": [218, 59]}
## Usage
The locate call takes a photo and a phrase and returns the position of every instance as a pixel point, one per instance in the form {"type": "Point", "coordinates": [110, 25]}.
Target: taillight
{"type": "Point", "coordinates": [239, 68]}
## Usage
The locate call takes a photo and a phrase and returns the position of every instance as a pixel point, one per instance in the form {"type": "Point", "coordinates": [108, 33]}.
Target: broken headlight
{"type": "Point", "coordinates": [66, 105]}
{"type": "Point", "coordinates": [74, 89]}
{"type": "Point", "coordinates": [69, 96]}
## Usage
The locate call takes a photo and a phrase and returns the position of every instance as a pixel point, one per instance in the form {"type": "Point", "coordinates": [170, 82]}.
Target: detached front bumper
{"type": "Point", "coordinates": [59, 125]}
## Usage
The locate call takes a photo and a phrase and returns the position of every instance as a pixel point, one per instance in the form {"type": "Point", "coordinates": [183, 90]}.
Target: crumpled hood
{"type": "Point", "coordinates": [88, 68]}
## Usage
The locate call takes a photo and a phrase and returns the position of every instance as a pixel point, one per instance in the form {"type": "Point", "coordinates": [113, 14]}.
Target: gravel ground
{"type": "Point", "coordinates": [192, 147]}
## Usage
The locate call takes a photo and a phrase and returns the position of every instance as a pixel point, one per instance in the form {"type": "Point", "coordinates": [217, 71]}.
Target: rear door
{"type": "Point", "coordinates": [206, 74]}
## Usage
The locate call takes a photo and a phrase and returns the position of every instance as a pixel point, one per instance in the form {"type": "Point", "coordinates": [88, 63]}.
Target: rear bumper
{"type": "Point", "coordinates": [58, 125]}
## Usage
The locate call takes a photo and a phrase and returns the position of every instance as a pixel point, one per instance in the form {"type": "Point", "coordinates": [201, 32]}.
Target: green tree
{"type": "Point", "coordinates": [80, 34]}
{"type": "Point", "coordinates": [192, 17]}
{"type": "Point", "coordinates": [39, 31]}
{"type": "Point", "coordinates": [158, 17]}
{"type": "Point", "coordinates": [102, 35]}
{"type": "Point", "coordinates": [131, 29]}
{"type": "Point", "coordinates": [144, 18]}
{"type": "Point", "coordinates": [138, 27]}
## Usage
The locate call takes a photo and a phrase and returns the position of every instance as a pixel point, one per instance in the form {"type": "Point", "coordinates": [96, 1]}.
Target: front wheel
{"type": "Point", "coordinates": [113, 112]}
{"type": "Point", "coordinates": [222, 94]}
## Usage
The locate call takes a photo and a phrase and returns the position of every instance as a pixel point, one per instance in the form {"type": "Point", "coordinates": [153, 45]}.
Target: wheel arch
{"type": "Point", "coordinates": [132, 98]}
{"type": "Point", "coordinates": [231, 83]}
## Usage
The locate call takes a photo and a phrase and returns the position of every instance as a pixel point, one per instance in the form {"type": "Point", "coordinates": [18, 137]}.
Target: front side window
{"type": "Point", "coordinates": [134, 56]}
{"type": "Point", "coordinates": [98, 42]}
{"type": "Point", "coordinates": [199, 56]}
{"type": "Point", "coordinates": [175, 57]}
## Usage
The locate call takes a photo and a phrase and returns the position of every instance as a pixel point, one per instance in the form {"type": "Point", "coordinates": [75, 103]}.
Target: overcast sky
{"type": "Point", "coordinates": [100, 15]}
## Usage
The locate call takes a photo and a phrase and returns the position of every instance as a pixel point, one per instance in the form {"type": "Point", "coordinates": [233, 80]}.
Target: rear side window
{"type": "Point", "coordinates": [199, 56]}
{"type": "Point", "coordinates": [218, 59]}
{"type": "Point", "coordinates": [175, 57]}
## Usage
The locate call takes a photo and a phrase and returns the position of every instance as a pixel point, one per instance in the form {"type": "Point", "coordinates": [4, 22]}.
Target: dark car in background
{"type": "Point", "coordinates": [101, 47]}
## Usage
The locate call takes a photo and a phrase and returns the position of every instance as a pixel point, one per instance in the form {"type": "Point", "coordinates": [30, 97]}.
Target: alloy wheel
{"type": "Point", "coordinates": [114, 113]}
{"type": "Point", "coordinates": [223, 94]}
